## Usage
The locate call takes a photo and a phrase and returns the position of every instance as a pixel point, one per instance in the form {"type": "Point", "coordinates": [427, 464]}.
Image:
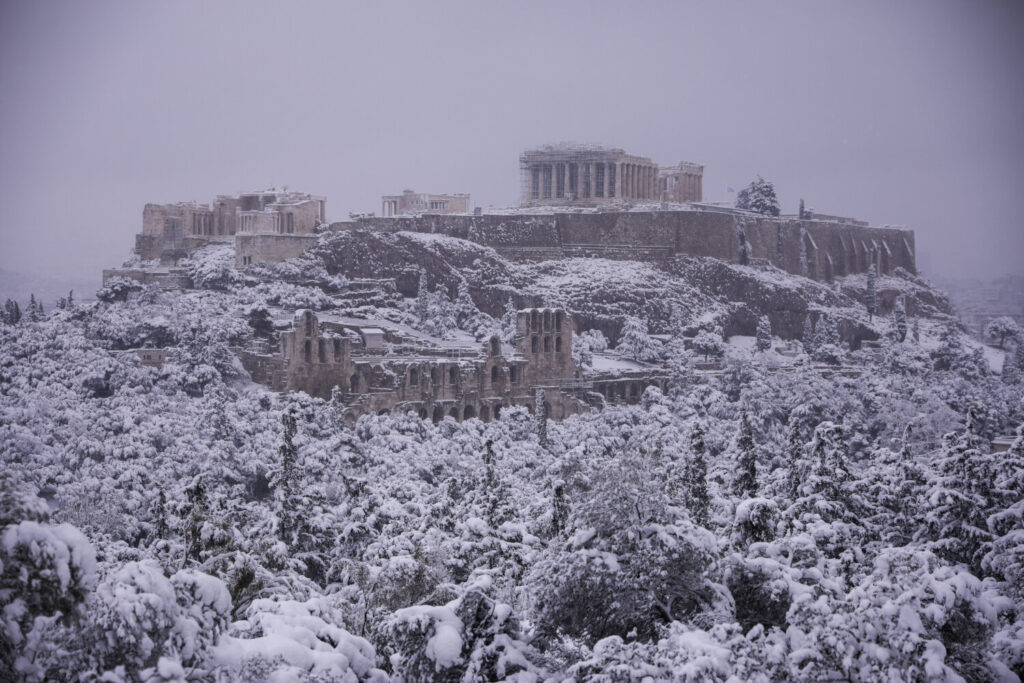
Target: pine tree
{"type": "Point", "coordinates": [758, 196]}
{"type": "Point", "coordinates": [871, 292]}
{"type": "Point", "coordinates": [559, 509]}
{"type": "Point", "coordinates": [696, 478]}
{"type": "Point", "coordinates": [636, 343]}
{"type": "Point", "coordinates": [288, 479]}
{"type": "Point", "coordinates": [31, 310]}
{"type": "Point", "coordinates": [541, 415]}
{"type": "Point", "coordinates": [465, 309]}
{"type": "Point", "coordinates": [808, 340]}
{"type": "Point", "coordinates": [508, 323]}
{"type": "Point", "coordinates": [899, 320]}
{"type": "Point", "coordinates": [422, 307]}
{"type": "Point", "coordinates": [198, 514]}
{"type": "Point", "coordinates": [1011, 370]}
{"type": "Point", "coordinates": [745, 484]}
{"type": "Point", "coordinates": [764, 334]}
{"type": "Point", "coordinates": [794, 457]}
{"type": "Point", "coordinates": [11, 312]}
{"type": "Point", "coordinates": [915, 332]}
{"type": "Point", "coordinates": [678, 367]}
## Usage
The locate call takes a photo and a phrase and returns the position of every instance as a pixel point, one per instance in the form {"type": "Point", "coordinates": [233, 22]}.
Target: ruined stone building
{"type": "Point", "coordinates": [377, 367]}
{"type": "Point", "coordinates": [410, 203]}
{"type": "Point", "coordinates": [681, 183]}
{"type": "Point", "coordinates": [170, 231]}
{"type": "Point", "coordinates": [585, 175]}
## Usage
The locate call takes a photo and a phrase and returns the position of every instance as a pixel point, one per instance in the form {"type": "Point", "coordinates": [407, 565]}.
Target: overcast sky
{"type": "Point", "coordinates": [895, 112]}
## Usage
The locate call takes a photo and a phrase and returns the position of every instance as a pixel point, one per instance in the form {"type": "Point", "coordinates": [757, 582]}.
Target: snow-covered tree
{"type": "Point", "coordinates": [764, 334]}
{"type": "Point", "coordinates": [541, 416]}
{"type": "Point", "coordinates": [1000, 329]}
{"type": "Point", "coordinates": [808, 338]}
{"type": "Point", "coordinates": [635, 343]}
{"type": "Point", "coordinates": [11, 312]}
{"type": "Point", "coordinates": [745, 483]}
{"type": "Point", "coordinates": [708, 344]}
{"type": "Point", "coordinates": [898, 323]}
{"type": "Point", "coordinates": [508, 322]}
{"type": "Point", "coordinates": [758, 196]}
{"type": "Point", "coordinates": [871, 292]}
{"type": "Point", "coordinates": [695, 482]}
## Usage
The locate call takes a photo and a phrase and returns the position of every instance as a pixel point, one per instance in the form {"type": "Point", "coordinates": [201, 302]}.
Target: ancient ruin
{"type": "Point", "coordinates": [585, 175]}
{"type": "Point", "coordinates": [410, 203]}
{"type": "Point", "coordinates": [376, 367]}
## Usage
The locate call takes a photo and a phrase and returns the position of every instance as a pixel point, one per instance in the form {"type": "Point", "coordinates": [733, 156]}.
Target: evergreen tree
{"type": "Point", "coordinates": [764, 334]}
{"type": "Point", "coordinates": [12, 312]}
{"type": "Point", "coordinates": [808, 339]}
{"type": "Point", "coordinates": [636, 343]}
{"type": "Point", "coordinates": [795, 464]}
{"type": "Point", "coordinates": [871, 292]}
{"type": "Point", "coordinates": [559, 509]}
{"type": "Point", "coordinates": [745, 483]}
{"type": "Point", "coordinates": [758, 196]}
{"type": "Point", "coordinates": [260, 322]}
{"type": "Point", "coordinates": [1000, 329]}
{"type": "Point", "coordinates": [541, 415]}
{"type": "Point", "coordinates": [950, 353]}
{"type": "Point", "coordinates": [422, 307]}
{"type": "Point", "coordinates": [31, 311]}
{"type": "Point", "coordinates": [678, 359]}
{"type": "Point", "coordinates": [1011, 370]}
{"type": "Point", "coordinates": [465, 309]}
{"type": "Point", "coordinates": [899, 320]}
{"type": "Point", "coordinates": [198, 514]}
{"type": "Point", "coordinates": [696, 478]}
{"type": "Point", "coordinates": [287, 482]}
{"type": "Point", "coordinates": [508, 323]}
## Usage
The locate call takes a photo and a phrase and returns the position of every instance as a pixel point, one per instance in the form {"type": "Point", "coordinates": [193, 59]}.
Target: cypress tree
{"type": "Point", "coordinates": [764, 334]}
{"type": "Point", "coordinates": [745, 484]}
{"type": "Point", "coordinates": [541, 415]}
{"type": "Point", "coordinates": [696, 478]}
{"type": "Point", "coordinates": [871, 293]}
{"type": "Point", "coordinates": [808, 339]}
{"type": "Point", "coordinates": [287, 481]}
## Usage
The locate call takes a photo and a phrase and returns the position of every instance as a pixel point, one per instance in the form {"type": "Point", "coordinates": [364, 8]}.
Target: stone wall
{"type": "Point", "coordinates": [829, 248]}
{"type": "Point", "coordinates": [172, 279]}
{"type": "Point", "coordinates": [250, 249]}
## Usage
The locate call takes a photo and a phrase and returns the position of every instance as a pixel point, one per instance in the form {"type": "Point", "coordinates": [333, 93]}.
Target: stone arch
{"type": "Point", "coordinates": [453, 375]}
{"type": "Point", "coordinates": [354, 383]}
{"type": "Point", "coordinates": [535, 319]}
{"type": "Point", "coordinates": [454, 412]}
{"type": "Point", "coordinates": [547, 319]}
{"type": "Point", "coordinates": [423, 413]}
{"type": "Point", "coordinates": [383, 411]}
{"type": "Point", "coordinates": [438, 414]}
{"type": "Point", "coordinates": [558, 343]}
{"type": "Point", "coordinates": [497, 411]}
{"type": "Point", "coordinates": [468, 412]}
{"type": "Point", "coordinates": [547, 343]}
{"type": "Point", "coordinates": [414, 377]}
{"type": "Point", "coordinates": [559, 319]}
{"type": "Point", "coordinates": [307, 351]}
{"type": "Point", "coordinates": [534, 344]}
{"type": "Point", "coordinates": [495, 346]}
{"type": "Point", "coordinates": [494, 374]}
{"type": "Point", "coordinates": [485, 413]}
{"type": "Point", "coordinates": [435, 375]}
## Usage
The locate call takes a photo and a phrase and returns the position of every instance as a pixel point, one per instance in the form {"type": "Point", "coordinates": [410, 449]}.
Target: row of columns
{"type": "Point", "coordinates": [389, 207]}
{"type": "Point", "coordinates": [596, 180]}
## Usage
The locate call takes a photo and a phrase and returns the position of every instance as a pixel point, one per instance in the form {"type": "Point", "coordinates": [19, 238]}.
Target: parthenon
{"type": "Point", "coordinates": [589, 175]}
{"type": "Point", "coordinates": [586, 175]}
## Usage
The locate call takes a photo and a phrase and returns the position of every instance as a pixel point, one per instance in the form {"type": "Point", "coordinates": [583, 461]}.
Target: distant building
{"type": "Point", "coordinates": [169, 231]}
{"type": "Point", "coordinates": [682, 183]}
{"type": "Point", "coordinates": [411, 203]}
{"type": "Point", "coordinates": [590, 175]}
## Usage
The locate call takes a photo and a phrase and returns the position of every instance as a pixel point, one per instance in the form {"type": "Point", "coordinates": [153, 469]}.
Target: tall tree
{"type": "Point", "coordinates": [1000, 329]}
{"type": "Point", "coordinates": [541, 415]}
{"type": "Point", "coordinates": [696, 477]}
{"type": "Point", "coordinates": [745, 483]}
{"type": "Point", "coordinates": [764, 334]}
{"type": "Point", "coordinates": [808, 339]}
{"type": "Point", "coordinates": [871, 292]}
{"type": "Point", "coordinates": [287, 482]}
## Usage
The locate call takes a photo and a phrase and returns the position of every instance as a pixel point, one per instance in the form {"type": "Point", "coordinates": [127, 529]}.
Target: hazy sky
{"type": "Point", "coordinates": [895, 112]}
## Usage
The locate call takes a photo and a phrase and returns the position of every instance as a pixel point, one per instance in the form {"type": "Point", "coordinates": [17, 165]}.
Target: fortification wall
{"type": "Point", "coordinates": [816, 248]}
{"type": "Point", "coordinates": [250, 249]}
